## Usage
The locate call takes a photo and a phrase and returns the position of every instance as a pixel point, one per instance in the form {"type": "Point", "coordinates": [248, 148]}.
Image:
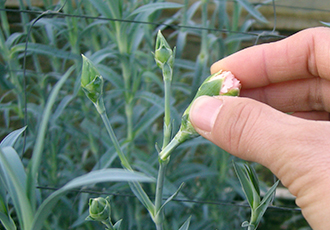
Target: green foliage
{"type": "Point", "coordinates": [66, 146]}
{"type": "Point", "coordinates": [250, 185]}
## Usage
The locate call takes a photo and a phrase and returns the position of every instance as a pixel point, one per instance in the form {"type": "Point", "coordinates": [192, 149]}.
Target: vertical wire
{"type": "Point", "coordinates": [25, 122]}
{"type": "Point", "coordinates": [274, 26]}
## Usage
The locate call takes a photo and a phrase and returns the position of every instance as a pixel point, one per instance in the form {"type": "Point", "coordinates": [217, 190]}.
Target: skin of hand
{"type": "Point", "coordinates": [291, 75]}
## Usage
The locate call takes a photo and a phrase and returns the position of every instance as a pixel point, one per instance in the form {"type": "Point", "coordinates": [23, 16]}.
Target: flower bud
{"type": "Point", "coordinates": [99, 209]}
{"type": "Point", "coordinates": [164, 55]}
{"type": "Point", "coordinates": [220, 83]}
{"type": "Point", "coordinates": [230, 86]}
{"type": "Point", "coordinates": [91, 81]}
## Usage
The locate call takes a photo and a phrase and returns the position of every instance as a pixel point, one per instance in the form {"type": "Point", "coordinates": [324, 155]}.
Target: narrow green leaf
{"type": "Point", "coordinates": [38, 148]}
{"type": "Point", "coordinates": [192, 10]}
{"type": "Point", "coordinates": [7, 222]}
{"type": "Point", "coordinates": [16, 189]}
{"type": "Point", "coordinates": [261, 209]}
{"type": "Point", "coordinates": [245, 224]}
{"type": "Point", "coordinates": [44, 50]}
{"type": "Point", "coordinates": [15, 162]}
{"type": "Point", "coordinates": [143, 197]}
{"type": "Point", "coordinates": [152, 7]}
{"type": "Point", "coordinates": [103, 8]}
{"type": "Point", "coordinates": [148, 119]}
{"type": "Point", "coordinates": [170, 198]}
{"type": "Point", "coordinates": [11, 138]}
{"type": "Point", "coordinates": [325, 23]}
{"type": "Point", "coordinates": [169, 187]}
{"type": "Point", "coordinates": [253, 177]}
{"type": "Point", "coordinates": [3, 194]}
{"type": "Point", "coordinates": [106, 159]}
{"type": "Point", "coordinates": [245, 182]}
{"type": "Point", "coordinates": [14, 38]}
{"type": "Point", "coordinates": [99, 176]}
{"type": "Point", "coordinates": [238, 38]}
{"type": "Point", "coordinates": [152, 98]}
{"type": "Point", "coordinates": [65, 101]}
{"type": "Point", "coordinates": [181, 42]}
{"type": "Point", "coordinates": [81, 219]}
{"type": "Point", "coordinates": [135, 35]}
{"type": "Point", "coordinates": [252, 10]}
{"type": "Point", "coordinates": [116, 226]}
{"type": "Point", "coordinates": [186, 224]}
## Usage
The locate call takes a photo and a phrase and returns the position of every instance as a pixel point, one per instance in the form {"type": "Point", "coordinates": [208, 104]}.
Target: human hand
{"type": "Point", "coordinates": [292, 75]}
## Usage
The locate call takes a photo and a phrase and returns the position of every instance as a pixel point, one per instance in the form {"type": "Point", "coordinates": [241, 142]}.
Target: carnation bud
{"type": "Point", "coordinates": [91, 80]}
{"type": "Point", "coordinates": [164, 55]}
{"type": "Point", "coordinates": [99, 209]}
{"type": "Point", "coordinates": [220, 83]}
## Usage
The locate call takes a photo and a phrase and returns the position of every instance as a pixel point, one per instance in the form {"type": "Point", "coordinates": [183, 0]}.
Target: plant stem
{"type": "Point", "coordinates": [167, 76]}
{"type": "Point", "coordinates": [115, 142]}
{"type": "Point", "coordinates": [101, 110]}
{"type": "Point", "coordinates": [204, 41]}
{"type": "Point", "coordinates": [135, 186]}
{"type": "Point", "coordinates": [178, 139]}
{"type": "Point", "coordinates": [108, 224]}
{"type": "Point", "coordinates": [129, 117]}
{"type": "Point", "coordinates": [167, 116]}
{"type": "Point", "coordinates": [159, 194]}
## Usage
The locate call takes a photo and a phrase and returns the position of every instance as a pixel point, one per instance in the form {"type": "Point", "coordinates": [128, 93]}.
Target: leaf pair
{"type": "Point", "coordinates": [250, 185]}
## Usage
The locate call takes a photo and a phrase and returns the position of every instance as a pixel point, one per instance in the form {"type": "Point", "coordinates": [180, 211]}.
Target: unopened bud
{"type": "Point", "coordinates": [99, 209]}
{"type": "Point", "coordinates": [164, 55]}
{"type": "Point", "coordinates": [220, 83]}
{"type": "Point", "coordinates": [91, 80]}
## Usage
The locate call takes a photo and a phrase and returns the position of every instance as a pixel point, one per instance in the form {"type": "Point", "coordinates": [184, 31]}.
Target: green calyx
{"type": "Point", "coordinates": [210, 87]}
{"type": "Point", "coordinates": [99, 209]}
{"type": "Point", "coordinates": [164, 55]}
{"type": "Point", "coordinates": [91, 81]}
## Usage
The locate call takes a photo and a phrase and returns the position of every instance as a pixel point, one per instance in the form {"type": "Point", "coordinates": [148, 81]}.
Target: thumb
{"type": "Point", "coordinates": [254, 131]}
{"type": "Point", "coordinates": [244, 127]}
{"type": "Point", "coordinates": [294, 149]}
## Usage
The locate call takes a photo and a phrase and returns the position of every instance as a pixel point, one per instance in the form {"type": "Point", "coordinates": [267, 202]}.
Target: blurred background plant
{"type": "Point", "coordinates": [37, 50]}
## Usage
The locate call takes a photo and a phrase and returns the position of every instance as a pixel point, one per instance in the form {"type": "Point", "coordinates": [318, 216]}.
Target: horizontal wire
{"type": "Point", "coordinates": [54, 13]}
{"type": "Point", "coordinates": [212, 202]}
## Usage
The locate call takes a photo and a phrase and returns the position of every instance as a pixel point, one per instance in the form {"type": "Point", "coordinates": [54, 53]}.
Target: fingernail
{"type": "Point", "coordinates": [204, 112]}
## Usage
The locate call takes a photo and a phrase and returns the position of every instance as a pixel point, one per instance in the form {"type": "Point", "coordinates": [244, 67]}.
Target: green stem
{"type": "Point", "coordinates": [114, 140]}
{"type": "Point", "coordinates": [167, 76]}
{"type": "Point", "coordinates": [167, 116]}
{"type": "Point", "coordinates": [126, 72]}
{"type": "Point", "coordinates": [108, 224]}
{"type": "Point", "coordinates": [134, 185]}
{"type": "Point", "coordinates": [165, 153]}
{"type": "Point", "coordinates": [129, 117]}
{"type": "Point", "coordinates": [204, 47]}
{"type": "Point", "coordinates": [159, 194]}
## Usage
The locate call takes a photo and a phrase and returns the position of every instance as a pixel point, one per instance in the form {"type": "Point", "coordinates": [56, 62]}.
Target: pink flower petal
{"type": "Point", "coordinates": [229, 83]}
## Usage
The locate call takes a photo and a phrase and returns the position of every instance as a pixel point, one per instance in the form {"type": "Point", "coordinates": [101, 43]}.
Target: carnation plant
{"type": "Point", "coordinates": [220, 83]}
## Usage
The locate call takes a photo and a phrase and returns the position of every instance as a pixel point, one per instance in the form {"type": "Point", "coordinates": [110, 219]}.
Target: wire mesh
{"type": "Point", "coordinates": [265, 34]}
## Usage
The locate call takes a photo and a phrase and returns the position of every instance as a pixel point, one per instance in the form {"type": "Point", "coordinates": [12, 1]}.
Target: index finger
{"type": "Point", "coordinates": [300, 56]}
